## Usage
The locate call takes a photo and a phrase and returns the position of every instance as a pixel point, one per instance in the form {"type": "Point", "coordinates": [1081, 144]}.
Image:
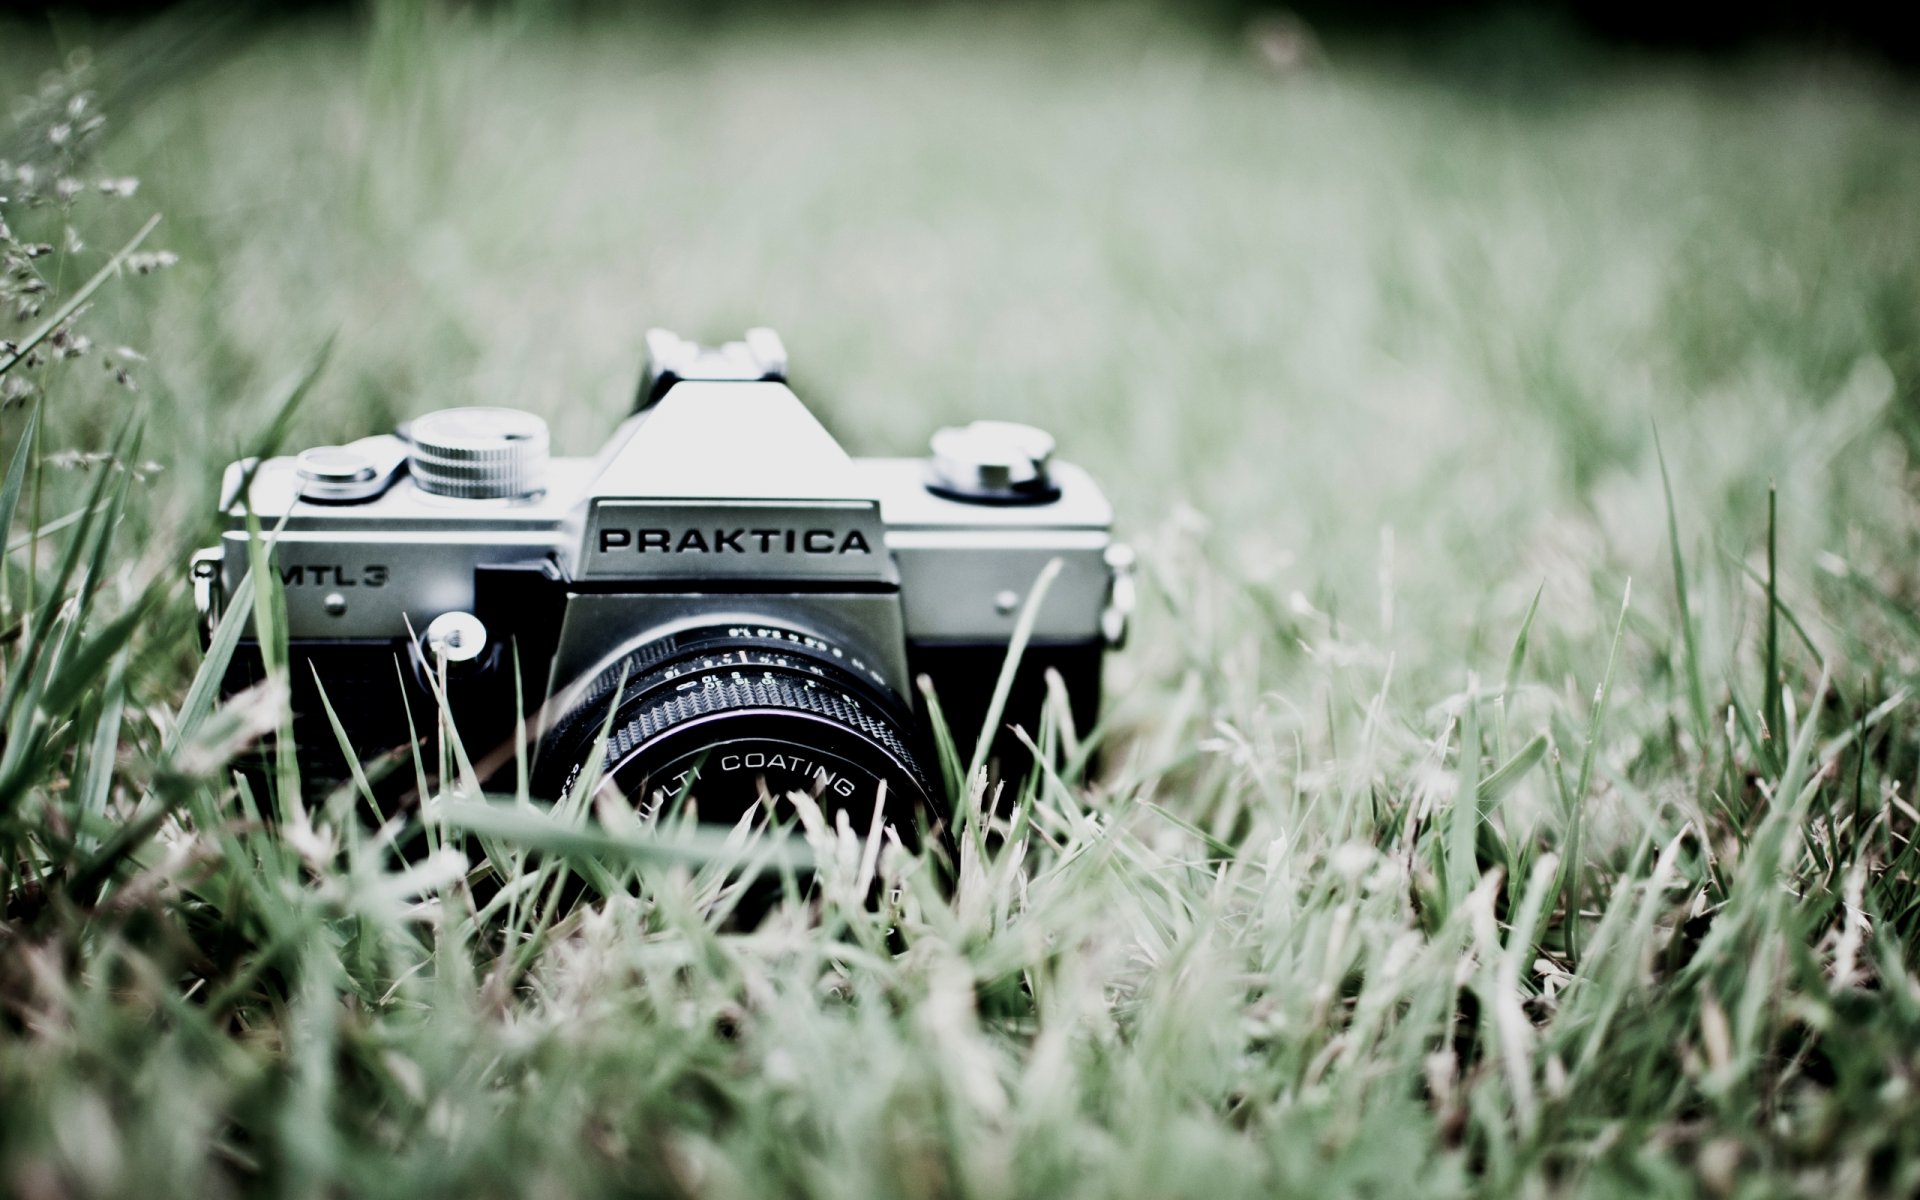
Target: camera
{"type": "Point", "coordinates": [721, 607]}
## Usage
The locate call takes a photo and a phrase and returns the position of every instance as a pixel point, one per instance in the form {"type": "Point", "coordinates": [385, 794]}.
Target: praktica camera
{"type": "Point", "coordinates": [721, 607]}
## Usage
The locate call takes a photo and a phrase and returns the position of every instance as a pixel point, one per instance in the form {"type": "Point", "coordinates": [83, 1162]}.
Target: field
{"type": "Point", "coordinates": [1507, 790]}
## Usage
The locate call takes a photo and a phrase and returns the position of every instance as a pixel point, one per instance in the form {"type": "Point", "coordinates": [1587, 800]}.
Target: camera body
{"type": "Point", "coordinates": [723, 597]}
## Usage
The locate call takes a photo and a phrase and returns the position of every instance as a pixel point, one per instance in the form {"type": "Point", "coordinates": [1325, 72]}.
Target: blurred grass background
{"type": "Point", "coordinates": [1444, 290]}
{"type": "Point", "coordinates": [1369, 338]}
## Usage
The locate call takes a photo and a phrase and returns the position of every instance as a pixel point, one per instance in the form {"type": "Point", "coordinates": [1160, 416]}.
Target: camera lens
{"type": "Point", "coordinates": [725, 716]}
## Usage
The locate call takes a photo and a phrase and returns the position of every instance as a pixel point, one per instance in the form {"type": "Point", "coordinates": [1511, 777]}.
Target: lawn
{"type": "Point", "coordinates": [1486, 808]}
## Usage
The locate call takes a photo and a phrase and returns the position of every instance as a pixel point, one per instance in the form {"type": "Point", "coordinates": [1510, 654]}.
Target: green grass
{"type": "Point", "coordinates": [1429, 854]}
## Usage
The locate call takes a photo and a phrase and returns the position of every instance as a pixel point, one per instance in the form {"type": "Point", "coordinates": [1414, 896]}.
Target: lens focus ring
{"type": "Point", "coordinates": [732, 715]}
{"type": "Point", "coordinates": [768, 692]}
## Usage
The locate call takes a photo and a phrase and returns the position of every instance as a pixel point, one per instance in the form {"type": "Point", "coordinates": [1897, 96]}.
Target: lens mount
{"type": "Point", "coordinates": [725, 716]}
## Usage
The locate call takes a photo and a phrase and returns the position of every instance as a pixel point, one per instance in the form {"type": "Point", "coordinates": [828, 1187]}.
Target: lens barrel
{"type": "Point", "coordinates": [728, 715]}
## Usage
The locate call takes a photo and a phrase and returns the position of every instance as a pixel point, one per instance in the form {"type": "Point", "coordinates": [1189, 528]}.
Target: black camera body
{"type": "Point", "coordinates": [722, 605]}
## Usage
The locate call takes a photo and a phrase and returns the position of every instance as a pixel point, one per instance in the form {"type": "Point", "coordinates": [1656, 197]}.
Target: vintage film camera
{"type": "Point", "coordinates": [739, 606]}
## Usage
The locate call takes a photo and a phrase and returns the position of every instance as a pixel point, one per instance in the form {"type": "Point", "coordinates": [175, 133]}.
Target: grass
{"type": "Point", "coordinates": [1497, 801]}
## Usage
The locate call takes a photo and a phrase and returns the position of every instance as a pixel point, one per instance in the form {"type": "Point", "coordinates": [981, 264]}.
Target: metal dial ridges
{"type": "Point", "coordinates": [466, 464]}
{"type": "Point", "coordinates": [771, 691]}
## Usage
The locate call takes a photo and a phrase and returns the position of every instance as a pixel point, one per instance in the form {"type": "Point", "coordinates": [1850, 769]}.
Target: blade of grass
{"type": "Point", "coordinates": [270, 635]}
{"type": "Point", "coordinates": [29, 666]}
{"type": "Point", "coordinates": [292, 391]}
{"type": "Point", "coordinates": [44, 532]}
{"type": "Point", "coordinates": [17, 471]}
{"type": "Point", "coordinates": [592, 844]}
{"type": "Point", "coordinates": [1016, 649]}
{"type": "Point", "coordinates": [943, 745]}
{"type": "Point", "coordinates": [1463, 819]}
{"type": "Point", "coordinates": [205, 688]}
{"type": "Point", "coordinates": [109, 524]}
{"type": "Point", "coordinates": [347, 750]}
{"type": "Point", "coordinates": [997, 706]}
{"type": "Point", "coordinates": [80, 671]}
{"type": "Point", "coordinates": [96, 780]}
{"type": "Point", "coordinates": [23, 455]}
{"type": "Point", "coordinates": [1503, 780]}
{"type": "Point", "coordinates": [1771, 699]}
{"type": "Point", "coordinates": [1689, 639]}
{"type": "Point", "coordinates": [1787, 613]}
{"type": "Point", "coordinates": [1571, 880]}
{"type": "Point", "coordinates": [1516, 660]}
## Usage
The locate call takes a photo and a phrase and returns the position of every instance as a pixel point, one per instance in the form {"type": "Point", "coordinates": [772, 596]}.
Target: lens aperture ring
{"type": "Point", "coordinates": [723, 679]}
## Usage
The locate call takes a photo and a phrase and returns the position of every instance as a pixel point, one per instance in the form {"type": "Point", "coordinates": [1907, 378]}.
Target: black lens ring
{"type": "Point", "coordinates": [741, 676]}
{"type": "Point", "coordinates": [840, 767]}
{"type": "Point", "coordinates": [672, 659]}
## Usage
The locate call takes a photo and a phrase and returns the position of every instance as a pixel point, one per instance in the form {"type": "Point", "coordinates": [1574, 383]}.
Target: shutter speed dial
{"type": "Point", "coordinates": [478, 453]}
{"type": "Point", "coordinates": [993, 462]}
